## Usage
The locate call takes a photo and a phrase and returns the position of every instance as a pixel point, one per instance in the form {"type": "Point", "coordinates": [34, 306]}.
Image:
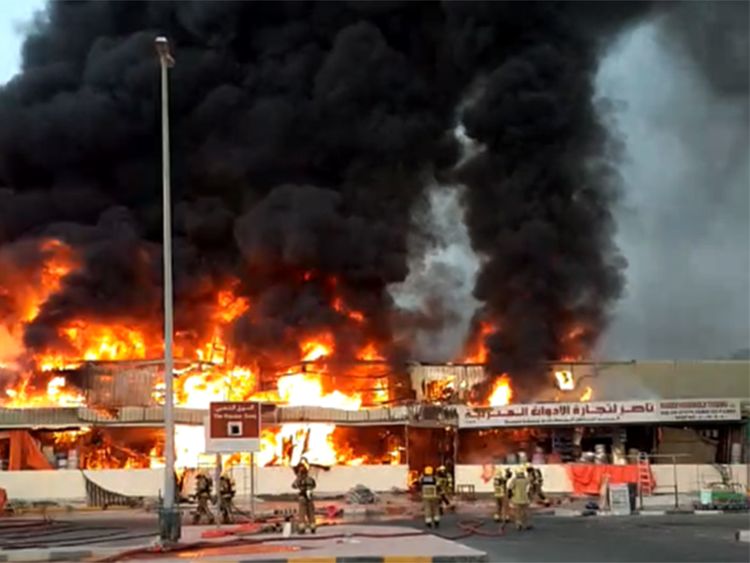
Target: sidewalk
{"type": "Point", "coordinates": [355, 543]}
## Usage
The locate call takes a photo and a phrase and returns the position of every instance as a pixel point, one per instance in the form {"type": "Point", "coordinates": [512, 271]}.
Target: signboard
{"type": "Point", "coordinates": [233, 427]}
{"type": "Point", "coordinates": [613, 412]}
{"type": "Point", "coordinates": [619, 500]}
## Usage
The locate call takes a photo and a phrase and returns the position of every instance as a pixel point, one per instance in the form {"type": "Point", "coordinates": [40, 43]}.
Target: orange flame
{"type": "Point", "coordinates": [587, 394]}
{"type": "Point", "coordinates": [317, 348]}
{"type": "Point", "coordinates": [477, 353]}
{"type": "Point", "coordinates": [502, 392]}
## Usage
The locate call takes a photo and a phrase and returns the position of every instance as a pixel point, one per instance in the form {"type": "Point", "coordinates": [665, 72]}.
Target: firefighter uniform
{"type": "Point", "coordinates": [203, 488]}
{"type": "Point", "coordinates": [445, 486]}
{"type": "Point", "coordinates": [519, 491]}
{"type": "Point", "coordinates": [305, 485]}
{"type": "Point", "coordinates": [535, 484]}
{"type": "Point", "coordinates": [430, 497]}
{"type": "Point", "coordinates": [226, 498]}
{"type": "Point", "coordinates": [500, 486]}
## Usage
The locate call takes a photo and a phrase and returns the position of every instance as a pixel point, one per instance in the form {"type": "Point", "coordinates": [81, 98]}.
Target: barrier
{"type": "Point", "coordinates": [69, 485]}
{"type": "Point", "coordinates": [337, 480]}
{"type": "Point", "coordinates": [555, 477]}
{"type": "Point", "coordinates": [690, 477]}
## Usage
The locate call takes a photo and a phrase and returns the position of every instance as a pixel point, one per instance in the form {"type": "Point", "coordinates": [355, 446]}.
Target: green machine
{"type": "Point", "coordinates": [724, 495]}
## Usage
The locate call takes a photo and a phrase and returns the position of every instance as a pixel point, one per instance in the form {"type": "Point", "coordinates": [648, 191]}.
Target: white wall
{"type": "Point", "coordinates": [690, 477]}
{"type": "Point", "coordinates": [339, 479]}
{"type": "Point", "coordinates": [69, 485]}
{"type": "Point", "coordinates": [43, 485]}
{"type": "Point", "coordinates": [555, 477]}
{"type": "Point", "coordinates": [135, 482]}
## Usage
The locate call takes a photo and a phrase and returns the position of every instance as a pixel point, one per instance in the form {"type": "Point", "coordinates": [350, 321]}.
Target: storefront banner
{"type": "Point", "coordinates": [620, 412]}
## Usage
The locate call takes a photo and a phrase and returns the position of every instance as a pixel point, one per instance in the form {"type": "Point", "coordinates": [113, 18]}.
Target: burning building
{"type": "Point", "coordinates": [307, 138]}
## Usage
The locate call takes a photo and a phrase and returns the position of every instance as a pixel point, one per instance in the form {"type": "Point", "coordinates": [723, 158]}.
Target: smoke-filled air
{"type": "Point", "coordinates": [306, 139]}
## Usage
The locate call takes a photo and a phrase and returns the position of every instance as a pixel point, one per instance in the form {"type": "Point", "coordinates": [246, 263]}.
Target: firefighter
{"type": "Point", "coordinates": [305, 484]}
{"type": "Point", "coordinates": [430, 497]}
{"type": "Point", "coordinates": [500, 485]}
{"type": "Point", "coordinates": [226, 497]}
{"type": "Point", "coordinates": [203, 489]}
{"type": "Point", "coordinates": [535, 484]}
{"type": "Point", "coordinates": [519, 491]}
{"type": "Point", "coordinates": [445, 486]}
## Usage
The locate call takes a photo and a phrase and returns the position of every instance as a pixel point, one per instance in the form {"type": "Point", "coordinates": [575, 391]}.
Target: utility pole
{"type": "Point", "coordinates": [169, 517]}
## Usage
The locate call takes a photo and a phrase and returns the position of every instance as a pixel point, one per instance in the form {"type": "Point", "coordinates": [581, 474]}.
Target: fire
{"type": "Point", "coordinates": [338, 305]}
{"type": "Point", "coordinates": [301, 389]}
{"type": "Point", "coordinates": [369, 353]}
{"type": "Point", "coordinates": [228, 308]}
{"type": "Point", "coordinates": [210, 374]}
{"type": "Point", "coordinates": [197, 388]}
{"type": "Point", "coordinates": [97, 342]}
{"type": "Point", "coordinates": [586, 395]}
{"type": "Point", "coordinates": [502, 392]}
{"type": "Point", "coordinates": [67, 438]}
{"type": "Point", "coordinates": [24, 292]}
{"type": "Point", "coordinates": [565, 380]}
{"type": "Point", "coordinates": [60, 262]}
{"type": "Point", "coordinates": [316, 349]}
{"type": "Point", "coordinates": [55, 395]}
{"type": "Point", "coordinates": [477, 353]}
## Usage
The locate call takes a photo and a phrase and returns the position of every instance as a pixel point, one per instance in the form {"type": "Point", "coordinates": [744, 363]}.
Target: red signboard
{"type": "Point", "coordinates": [234, 427]}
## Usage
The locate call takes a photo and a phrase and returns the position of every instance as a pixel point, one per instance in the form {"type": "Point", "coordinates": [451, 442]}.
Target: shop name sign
{"type": "Point", "coordinates": [624, 412]}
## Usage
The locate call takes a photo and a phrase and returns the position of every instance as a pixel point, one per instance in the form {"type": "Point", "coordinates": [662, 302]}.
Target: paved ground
{"type": "Point", "coordinates": [631, 538]}
{"type": "Point", "coordinates": [627, 538]}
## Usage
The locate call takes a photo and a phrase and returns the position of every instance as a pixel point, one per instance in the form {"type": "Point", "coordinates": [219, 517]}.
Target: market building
{"type": "Point", "coordinates": [684, 419]}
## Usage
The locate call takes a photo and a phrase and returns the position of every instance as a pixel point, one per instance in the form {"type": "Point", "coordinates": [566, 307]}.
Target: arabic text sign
{"type": "Point", "coordinates": [624, 412]}
{"type": "Point", "coordinates": [233, 427]}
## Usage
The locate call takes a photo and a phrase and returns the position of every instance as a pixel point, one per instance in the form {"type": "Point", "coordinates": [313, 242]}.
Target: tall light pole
{"type": "Point", "coordinates": [169, 517]}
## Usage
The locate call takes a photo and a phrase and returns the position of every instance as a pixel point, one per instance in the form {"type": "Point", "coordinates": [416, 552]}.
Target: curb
{"type": "Point", "coordinates": [79, 555]}
{"type": "Point", "coordinates": [742, 535]}
{"type": "Point", "coordinates": [57, 554]}
{"type": "Point", "coordinates": [564, 513]}
{"type": "Point", "coordinates": [483, 558]}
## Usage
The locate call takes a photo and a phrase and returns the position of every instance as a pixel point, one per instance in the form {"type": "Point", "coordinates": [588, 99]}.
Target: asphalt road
{"type": "Point", "coordinates": [629, 538]}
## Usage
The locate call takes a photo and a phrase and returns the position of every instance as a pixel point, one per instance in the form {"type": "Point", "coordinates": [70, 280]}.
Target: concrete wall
{"type": "Point", "coordinates": [690, 477]}
{"type": "Point", "coordinates": [43, 485]}
{"type": "Point", "coordinates": [69, 485]}
{"type": "Point", "coordinates": [135, 482]}
{"type": "Point", "coordinates": [555, 477]}
{"type": "Point", "coordinates": [278, 480]}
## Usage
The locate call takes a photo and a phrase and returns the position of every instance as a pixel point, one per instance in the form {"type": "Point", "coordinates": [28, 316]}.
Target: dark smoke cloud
{"type": "Point", "coordinates": [304, 135]}
{"type": "Point", "coordinates": [681, 81]}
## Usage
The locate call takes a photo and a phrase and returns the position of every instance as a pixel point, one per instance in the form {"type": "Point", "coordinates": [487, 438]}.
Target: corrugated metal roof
{"type": "Point", "coordinates": [61, 417]}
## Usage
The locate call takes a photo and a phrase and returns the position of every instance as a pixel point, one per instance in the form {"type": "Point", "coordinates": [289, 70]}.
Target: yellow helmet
{"type": "Point", "coordinates": [520, 472]}
{"type": "Point", "coordinates": [428, 470]}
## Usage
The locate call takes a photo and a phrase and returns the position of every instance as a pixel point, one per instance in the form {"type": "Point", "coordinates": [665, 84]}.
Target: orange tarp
{"type": "Point", "coordinates": [587, 478]}
{"type": "Point", "coordinates": [25, 452]}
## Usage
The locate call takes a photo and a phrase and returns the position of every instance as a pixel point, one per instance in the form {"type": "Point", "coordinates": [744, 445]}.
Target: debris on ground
{"type": "Point", "coordinates": [360, 494]}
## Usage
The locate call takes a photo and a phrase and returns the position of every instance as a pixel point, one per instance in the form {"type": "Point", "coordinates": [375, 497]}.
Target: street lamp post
{"type": "Point", "coordinates": [169, 517]}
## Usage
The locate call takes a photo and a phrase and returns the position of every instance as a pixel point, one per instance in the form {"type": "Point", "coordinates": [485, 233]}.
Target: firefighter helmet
{"type": "Point", "coordinates": [428, 470]}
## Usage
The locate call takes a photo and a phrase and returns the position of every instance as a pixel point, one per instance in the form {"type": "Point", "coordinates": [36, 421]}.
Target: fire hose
{"type": "Point", "coordinates": [468, 527]}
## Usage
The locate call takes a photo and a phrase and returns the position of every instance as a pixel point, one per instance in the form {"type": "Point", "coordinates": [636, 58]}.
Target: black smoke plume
{"type": "Point", "coordinates": [304, 135]}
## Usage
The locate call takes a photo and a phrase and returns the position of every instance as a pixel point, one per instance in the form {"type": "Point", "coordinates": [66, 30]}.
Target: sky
{"type": "Point", "coordinates": [13, 16]}
{"type": "Point", "coordinates": [684, 215]}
